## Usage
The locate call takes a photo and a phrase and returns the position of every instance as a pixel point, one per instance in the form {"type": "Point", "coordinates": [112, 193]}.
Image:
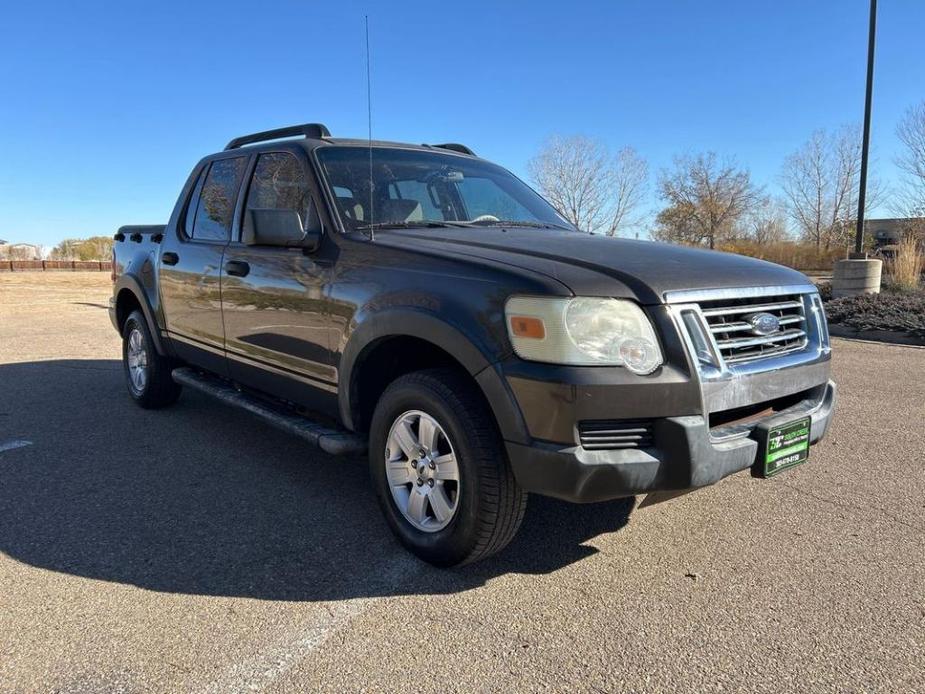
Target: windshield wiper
{"type": "Point", "coordinates": [412, 224]}
{"type": "Point", "coordinates": [518, 223]}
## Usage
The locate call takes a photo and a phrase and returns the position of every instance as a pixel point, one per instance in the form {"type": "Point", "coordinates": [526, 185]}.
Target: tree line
{"type": "Point", "coordinates": [93, 248]}
{"type": "Point", "coordinates": [711, 200]}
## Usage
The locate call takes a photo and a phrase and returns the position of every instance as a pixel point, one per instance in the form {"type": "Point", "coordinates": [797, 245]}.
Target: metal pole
{"type": "Point", "coordinates": [865, 147]}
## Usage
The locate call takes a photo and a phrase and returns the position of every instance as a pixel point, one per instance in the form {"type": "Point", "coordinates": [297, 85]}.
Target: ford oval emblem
{"type": "Point", "coordinates": [763, 323]}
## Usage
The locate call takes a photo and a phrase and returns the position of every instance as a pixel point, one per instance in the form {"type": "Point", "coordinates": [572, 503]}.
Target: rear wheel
{"type": "Point", "coordinates": [440, 469]}
{"type": "Point", "coordinates": [147, 373]}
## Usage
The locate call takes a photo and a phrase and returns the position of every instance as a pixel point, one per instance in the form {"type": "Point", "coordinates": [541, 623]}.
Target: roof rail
{"type": "Point", "coordinates": [311, 130]}
{"type": "Point", "coordinates": [456, 147]}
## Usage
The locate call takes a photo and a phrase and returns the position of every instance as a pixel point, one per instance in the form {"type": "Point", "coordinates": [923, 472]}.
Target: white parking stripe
{"type": "Point", "coordinates": [17, 443]}
{"type": "Point", "coordinates": [274, 661]}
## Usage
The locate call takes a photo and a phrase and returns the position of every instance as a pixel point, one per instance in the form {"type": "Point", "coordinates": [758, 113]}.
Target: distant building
{"type": "Point", "coordinates": [887, 233]}
{"type": "Point", "coordinates": [20, 251]}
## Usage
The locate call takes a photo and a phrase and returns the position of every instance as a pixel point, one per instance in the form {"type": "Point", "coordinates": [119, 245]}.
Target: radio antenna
{"type": "Point", "coordinates": [369, 116]}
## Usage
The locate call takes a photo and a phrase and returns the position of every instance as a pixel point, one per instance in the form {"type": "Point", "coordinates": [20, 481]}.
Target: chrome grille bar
{"type": "Point", "coordinates": [739, 326]}
{"type": "Point", "coordinates": [755, 308]}
{"type": "Point", "coordinates": [773, 338]}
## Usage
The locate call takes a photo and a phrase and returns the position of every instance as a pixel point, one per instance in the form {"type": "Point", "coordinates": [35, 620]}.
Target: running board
{"type": "Point", "coordinates": [326, 437]}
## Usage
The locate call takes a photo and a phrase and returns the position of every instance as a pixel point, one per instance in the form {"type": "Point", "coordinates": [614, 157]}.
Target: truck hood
{"type": "Point", "coordinates": [599, 265]}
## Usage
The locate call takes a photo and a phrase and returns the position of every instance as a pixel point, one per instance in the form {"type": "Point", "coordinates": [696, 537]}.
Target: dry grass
{"type": "Point", "coordinates": [24, 292]}
{"type": "Point", "coordinates": [906, 268]}
{"type": "Point", "coordinates": [800, 256]}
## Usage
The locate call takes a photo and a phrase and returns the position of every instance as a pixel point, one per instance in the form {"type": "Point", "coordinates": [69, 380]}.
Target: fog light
{"type": "Point", "coordinates": [640, 355]}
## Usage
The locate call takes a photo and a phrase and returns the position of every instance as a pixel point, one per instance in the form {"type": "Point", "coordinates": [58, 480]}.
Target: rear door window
{"type": "Point", "coordinates": [215, 206]}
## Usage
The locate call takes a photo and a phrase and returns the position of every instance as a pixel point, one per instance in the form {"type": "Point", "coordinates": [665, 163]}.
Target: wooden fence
{"type": "Point", "coordinates": [63, 265]}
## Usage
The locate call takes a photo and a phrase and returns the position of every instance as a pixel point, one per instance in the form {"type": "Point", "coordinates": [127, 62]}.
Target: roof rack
{"type": "Point", "coordinates": [311, 130]}
{"type": "Point", "coordinates": [455, 147]}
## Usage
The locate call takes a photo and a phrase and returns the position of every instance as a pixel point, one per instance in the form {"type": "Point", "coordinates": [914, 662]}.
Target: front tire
{"type": "Point", "coordinates": [147, 373]}
{"type": "Point", "coordinates": [440, 469]}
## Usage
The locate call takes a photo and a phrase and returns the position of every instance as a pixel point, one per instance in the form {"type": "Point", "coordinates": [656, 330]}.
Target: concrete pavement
{"type": "Point", "coordinates": [196, 549]}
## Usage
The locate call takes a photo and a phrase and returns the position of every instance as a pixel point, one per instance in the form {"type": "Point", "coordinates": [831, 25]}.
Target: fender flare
{"type": "Point", "coordinates": [131, 284]}
{"type": "Point", "coordinates": [452, 340]}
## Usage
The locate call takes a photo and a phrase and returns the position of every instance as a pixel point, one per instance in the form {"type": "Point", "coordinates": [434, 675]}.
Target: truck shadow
{"type": "Point", "coordinates": [203, 499]}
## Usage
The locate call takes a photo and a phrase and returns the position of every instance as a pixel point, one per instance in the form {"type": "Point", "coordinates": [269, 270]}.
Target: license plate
{"type": "Point", "coordinates": [785, 446]}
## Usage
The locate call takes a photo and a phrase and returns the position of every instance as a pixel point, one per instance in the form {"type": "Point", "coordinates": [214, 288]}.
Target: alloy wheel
{"type": "Point", "coordinates": [422, 471]}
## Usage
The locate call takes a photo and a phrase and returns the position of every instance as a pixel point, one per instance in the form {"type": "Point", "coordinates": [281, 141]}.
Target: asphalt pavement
{"type": "Point", "coordinates": [197, 549]}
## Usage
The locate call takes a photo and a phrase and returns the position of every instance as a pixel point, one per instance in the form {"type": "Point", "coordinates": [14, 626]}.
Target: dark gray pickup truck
{"type": "Point", "coordinates": [428, 306]}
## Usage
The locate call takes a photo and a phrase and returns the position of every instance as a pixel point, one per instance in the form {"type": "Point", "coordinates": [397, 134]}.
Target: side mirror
{"type": "Point", "coordinates": [281, 227]}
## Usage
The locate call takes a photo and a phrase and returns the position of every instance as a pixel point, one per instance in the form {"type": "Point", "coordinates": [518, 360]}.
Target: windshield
{"type": "Point", "coordinates": [421, 188]}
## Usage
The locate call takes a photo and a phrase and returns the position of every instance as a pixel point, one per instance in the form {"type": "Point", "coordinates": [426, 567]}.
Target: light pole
{"type": "Point", "coordinates": [865, 145]}
{"type": "Point", "coordinates": [859, 274]}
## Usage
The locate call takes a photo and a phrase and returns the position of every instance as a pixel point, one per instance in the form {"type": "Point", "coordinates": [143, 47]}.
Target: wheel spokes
{"type": "Point", "coordinates": [447, 468]}
{"type": "Point", "coordinates": [417, 506]}
{"type": "Point", "coordinates": [427, 433]}
{"type": "Point", "coordinates": [440, 503]}
{"type": "Point", "coordinates": [407, 441]}
{"type": "Point", "coordinates": [399, 472]}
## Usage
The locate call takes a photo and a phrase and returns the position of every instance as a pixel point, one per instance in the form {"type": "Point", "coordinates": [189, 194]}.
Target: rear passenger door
{"type": "Point", "coordinates": [191, 264]}
{"type": "Point", "coordinates": [275, 300]}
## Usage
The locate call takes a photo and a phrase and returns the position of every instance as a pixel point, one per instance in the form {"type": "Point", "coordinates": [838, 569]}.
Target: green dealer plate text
{"type": "Point", "coordinates": [787, 445]}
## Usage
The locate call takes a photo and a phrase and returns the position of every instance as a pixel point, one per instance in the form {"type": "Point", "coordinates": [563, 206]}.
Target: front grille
{"type": "Point", "coordinates": [739, 341]}
{"type": "Point", "coordinates": [611, 434]}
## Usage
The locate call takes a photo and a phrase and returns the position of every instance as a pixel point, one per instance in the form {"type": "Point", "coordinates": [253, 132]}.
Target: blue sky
{"type": "Point", "coordinates": [105, 107]}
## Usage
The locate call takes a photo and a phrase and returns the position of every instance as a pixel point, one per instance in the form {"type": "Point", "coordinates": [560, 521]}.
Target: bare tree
{"type": "Point", "coordinates": [628, 184]}
{"type": "Point", "coordinates": [591, 188]}
{"type": "Point", "coordinates": [766, 224]}
{"type": "Point", "coordinates": [911, 133]}
{"type": "Point", "coordinates": [821, 183]}
{"type": "Point", "coordinates": [706, 200]}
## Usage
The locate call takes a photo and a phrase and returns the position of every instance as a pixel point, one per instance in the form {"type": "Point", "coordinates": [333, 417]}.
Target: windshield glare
{"type": "Point", "coordinates": [415, 187]}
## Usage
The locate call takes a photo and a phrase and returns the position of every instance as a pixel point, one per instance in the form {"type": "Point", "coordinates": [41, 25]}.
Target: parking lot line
{"type": "Point", "coordinates": [274, 661]}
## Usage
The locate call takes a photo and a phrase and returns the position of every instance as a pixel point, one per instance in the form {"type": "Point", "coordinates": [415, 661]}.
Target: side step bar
{"type": "Point", "coordinates": [326, 437]}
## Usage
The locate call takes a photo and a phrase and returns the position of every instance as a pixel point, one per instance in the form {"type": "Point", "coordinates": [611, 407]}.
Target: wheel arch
{"type": "Point", "coordinates": [385, 347]}
{"type": "Point", "coordinates": [129, 296]}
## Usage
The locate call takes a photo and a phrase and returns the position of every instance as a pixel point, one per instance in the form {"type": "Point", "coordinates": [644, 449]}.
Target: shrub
{"type": "Point", "coordinates": [897, 312]}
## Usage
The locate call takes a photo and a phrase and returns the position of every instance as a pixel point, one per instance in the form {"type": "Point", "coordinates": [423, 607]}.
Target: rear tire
{"type": "Point", "coordinates": [147, 373]}
{"type": "Point", "coordinates": [431, 434]}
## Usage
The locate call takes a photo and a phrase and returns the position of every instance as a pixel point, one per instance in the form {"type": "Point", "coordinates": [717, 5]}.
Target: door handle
{"type": "Point", "coordinates": [170, 258]}
{"type": "Point", "coordinates": [237, 268]}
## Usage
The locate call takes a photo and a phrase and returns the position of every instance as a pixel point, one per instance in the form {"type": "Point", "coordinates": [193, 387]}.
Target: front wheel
{"type": "Point", "coordinates": [147, 373]}
{"type": "Point", "coordinates": [440, 469]}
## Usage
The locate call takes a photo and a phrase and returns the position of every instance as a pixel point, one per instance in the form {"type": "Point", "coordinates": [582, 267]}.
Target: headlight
{"type": "Point", "coordinates": [583, 331]}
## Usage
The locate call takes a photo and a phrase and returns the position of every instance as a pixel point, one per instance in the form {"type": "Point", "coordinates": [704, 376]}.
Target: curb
{"type": "Point", "coordinates": [893, 337]}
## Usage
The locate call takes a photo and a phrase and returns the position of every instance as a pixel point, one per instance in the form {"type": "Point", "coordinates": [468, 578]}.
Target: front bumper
{"type": "Point", "coordinates": [686, 454]}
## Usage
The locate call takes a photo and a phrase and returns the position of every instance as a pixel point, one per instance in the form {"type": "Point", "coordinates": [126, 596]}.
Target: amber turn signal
{"type": "Point", "coordinates": [527, 326]}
